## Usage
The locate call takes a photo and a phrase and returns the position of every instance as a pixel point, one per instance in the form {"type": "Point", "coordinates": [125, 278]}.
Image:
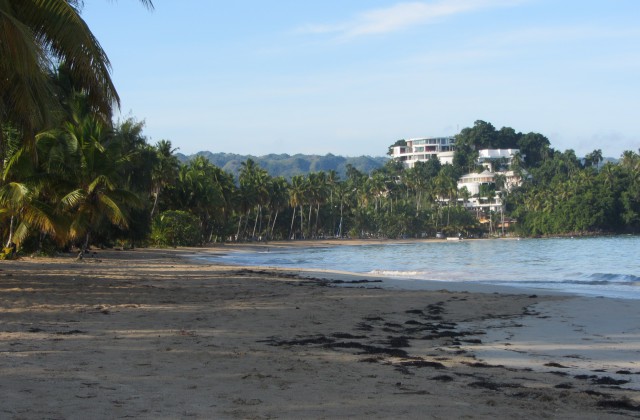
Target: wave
{"type": "Point", "coordinates": [396, 273]}
{"type": "Point", "coordinates": [615, 278]}
{"type": "Point", "coordinates": [577, 279]}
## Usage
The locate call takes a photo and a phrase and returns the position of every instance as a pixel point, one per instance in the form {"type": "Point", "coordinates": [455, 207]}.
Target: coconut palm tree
{"type": "Point", "coordinates": [278, 198]}
{"type": "Point", "coordinates": [296, 199]}
{"type": "Point", "coordinates": [36, 35]}
{"type": "Point", "coordinates": [94, 194]}
{"type": "Point", "coordinates": [164, 172]}
{"type": "Point", "coordinates": [27, 194]}
{"type": "Point", "coordinates": [20, 201]}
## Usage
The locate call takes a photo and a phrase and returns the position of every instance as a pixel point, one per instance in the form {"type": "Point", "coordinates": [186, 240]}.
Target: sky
{"type": "Point", "coordinates": [350, 77]}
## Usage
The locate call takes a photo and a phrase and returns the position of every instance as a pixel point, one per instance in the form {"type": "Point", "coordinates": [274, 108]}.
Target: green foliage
{"type": "Point", "coordinates": [176, 228]}
{"type": "Point", "coordinates": [535, 148]}
{"type": "Point", "coordinates": [8, 253]}
{"type": "Point", "coordinates": [575, 200]}
{"type": "Point", "coordinates": [95, 183]}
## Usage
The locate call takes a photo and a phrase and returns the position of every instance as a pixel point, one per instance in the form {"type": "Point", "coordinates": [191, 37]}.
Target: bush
{"type": "Point", "coordinates": [176, 228]}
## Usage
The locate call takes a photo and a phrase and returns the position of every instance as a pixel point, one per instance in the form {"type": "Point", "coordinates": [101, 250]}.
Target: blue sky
{"type": "Point", "coordinates": [350, 77]}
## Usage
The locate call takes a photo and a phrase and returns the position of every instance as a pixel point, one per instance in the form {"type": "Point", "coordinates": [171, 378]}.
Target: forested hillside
{"type": "Point", "coordinates": [290, 165]}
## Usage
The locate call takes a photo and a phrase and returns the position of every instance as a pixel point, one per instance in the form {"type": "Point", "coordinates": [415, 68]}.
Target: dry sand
{"type": "Point", "coordinates": [152, 334]}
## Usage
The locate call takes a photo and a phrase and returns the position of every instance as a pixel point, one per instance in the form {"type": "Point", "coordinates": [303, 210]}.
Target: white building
{"type": "Point", "coordinates": [423, 149]}
{"type": "Point", "coordinates": [486, 157]}
{"type": "Point", "coordinates": [473, 181]}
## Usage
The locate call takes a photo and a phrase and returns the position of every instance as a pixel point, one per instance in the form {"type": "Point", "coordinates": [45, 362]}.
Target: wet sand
{"type": "Point", "coordinates": [156, 334]}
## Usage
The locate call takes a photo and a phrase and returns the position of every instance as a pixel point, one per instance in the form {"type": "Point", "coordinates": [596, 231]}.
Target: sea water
{"type": "Point", "coordinates": [600, 266]}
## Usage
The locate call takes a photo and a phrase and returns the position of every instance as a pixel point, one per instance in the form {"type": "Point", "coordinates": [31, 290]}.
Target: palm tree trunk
{"type": "Point", "coordinates": [317, 214]}
{"type": "Point", "coordinates": [246, 224]}
{"type": "Point", "coordinates": [267, 230]}
{"type": "Point", "coordinates": [293, 218]}
{"type": "Point", "coordinates": [85, 246]}
{"type": "Point", "coordinates": [255, 224]}
{"type": "Point", "coordinates": [86, 241]}
{"type": "Point", "coordinates": [340, 228]}
{"type": "Point", "coordinates": [301, 223]}
{"type": "Point", "coordinates": [333, 216]}
{"type": "Point", "coordinates": [155, 203]}
{"type": "Point", "coordinates": [238, 232]}
{"type": "Point", "coordinates": [10, 232]}
{"type": "Point", "coordinates": [309, 221]}
{"type": "Point", "coordinates": [274, 223]}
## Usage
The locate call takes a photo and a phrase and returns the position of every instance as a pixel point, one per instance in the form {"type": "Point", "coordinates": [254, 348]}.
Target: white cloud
{"type": "Point", "coordinates": [403, 15]}
{"type": "Point", "coordinates": [559, 34]}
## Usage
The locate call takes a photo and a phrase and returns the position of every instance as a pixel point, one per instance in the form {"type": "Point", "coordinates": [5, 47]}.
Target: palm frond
{"type": "Point", "coordinates": [14, 195]}
{"type": "Point", "coordinates": [73, 199]}
{"type": "Point", "coordinates": [113, 211]}
{"type": "Point", "coordinates": [27, 94]}
{"type": "Point", "coordinates": [100, 181]}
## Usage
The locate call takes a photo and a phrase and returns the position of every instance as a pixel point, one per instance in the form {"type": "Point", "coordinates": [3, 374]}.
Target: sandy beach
{"type": "Point", "coordinates": [159, 334]}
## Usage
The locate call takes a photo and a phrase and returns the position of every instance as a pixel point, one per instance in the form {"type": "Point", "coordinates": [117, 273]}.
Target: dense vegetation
{"type": "Point", "coordinates": [104, 184]}
{"type": "Point", "coordinates": [72, 177]}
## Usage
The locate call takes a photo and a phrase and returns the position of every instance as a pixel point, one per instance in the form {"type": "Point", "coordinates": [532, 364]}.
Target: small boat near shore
{"type": "Point", "coordinates": [454, 238]}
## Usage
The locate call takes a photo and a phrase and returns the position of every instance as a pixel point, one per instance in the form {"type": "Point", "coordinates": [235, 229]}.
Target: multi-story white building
{"type": "Point", "coordinates": [473, 181]}
{"type": "Point", "coordinates": [424, 148]}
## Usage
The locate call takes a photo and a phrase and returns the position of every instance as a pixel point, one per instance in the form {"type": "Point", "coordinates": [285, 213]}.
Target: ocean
{"type": "Point", "coordinates": [594, 266]}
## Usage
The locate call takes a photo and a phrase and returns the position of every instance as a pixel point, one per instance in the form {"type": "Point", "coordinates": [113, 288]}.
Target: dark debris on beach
{"type": "Point", "coordinates": [389, 343]}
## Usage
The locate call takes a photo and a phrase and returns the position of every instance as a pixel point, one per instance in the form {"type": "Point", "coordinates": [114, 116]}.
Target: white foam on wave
{"type": "Point", "coordinates": [395, 273]}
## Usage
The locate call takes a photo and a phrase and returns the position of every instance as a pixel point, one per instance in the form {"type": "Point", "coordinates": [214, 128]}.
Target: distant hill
{"type": "Point", "coordinates": [289, 165]}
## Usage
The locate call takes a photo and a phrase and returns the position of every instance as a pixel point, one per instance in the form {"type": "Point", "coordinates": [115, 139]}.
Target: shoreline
{"type": "Point", "coordinates": [151, 334]}
{"type": "Point", "coordinates": [201, 254]}
{"type": "Point", "coordinates": [510, 343]}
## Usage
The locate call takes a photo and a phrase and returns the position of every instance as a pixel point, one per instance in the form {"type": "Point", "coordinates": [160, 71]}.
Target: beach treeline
{"type": "Point", "coordinates": [91, 182]}
{"type": "Point", "coordinates": [72, 177]}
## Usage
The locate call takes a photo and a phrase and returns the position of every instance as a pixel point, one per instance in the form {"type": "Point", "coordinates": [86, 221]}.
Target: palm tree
{"type": "Point", "coordinates": [165, 170]}
{"type": "Point", "coordinates": [332, 181]}
{"type": "Point", "coordinates": [594, 158]}
{"type": "Point", "coordinates": [445, 187]}
{"type": "Point", "coordinates": [254, 186]}
{"type": "Point", "coordinates": [317, 194]}
{"type": "Point", "coordinates": [35, 35]}
{"type": "Point", "coordinates": [26, 211]}
{"type": "Point", "coordinates": [278, 195]}
{"type": "Point", "coordinates": [418, 180]}
{"type": "Point", "coordinates": [205, 191]}
{"type": "Point", "coordinates": [296, 198]}
{"type": "Point", "coordinates": [28, 193]}
{"type": "Point", "coordinates": [345, 193]}
{"type": "Point", "coordinates": [95, 193]}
